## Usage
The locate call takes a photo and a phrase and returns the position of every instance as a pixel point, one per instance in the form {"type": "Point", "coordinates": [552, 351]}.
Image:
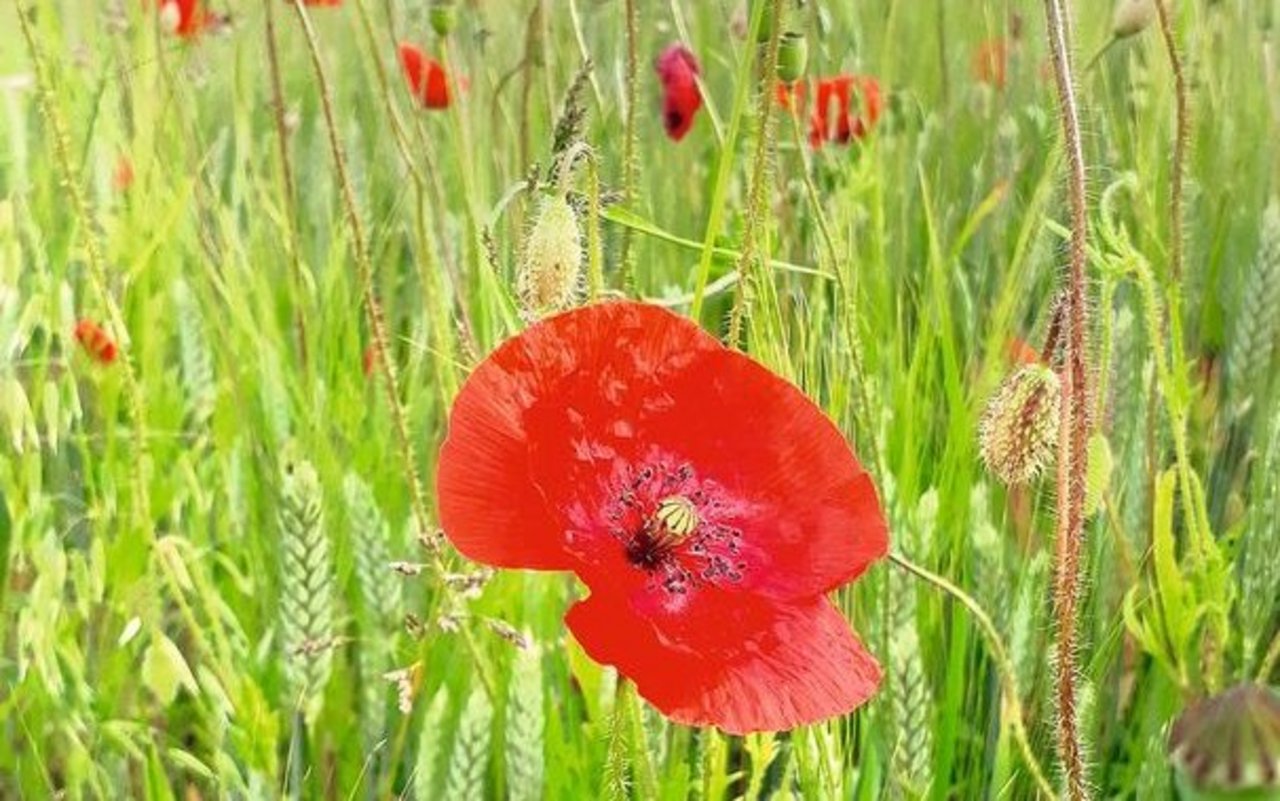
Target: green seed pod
{"type": "Point", "coordinates": [793, 55]}
{"type": "Point", "coordinates": [1228, 746]}
{"type": "Point", "coordinates": [443, 17]}
{"type": "Point", "coordinates": [1019, 427]}
{"type": "Point", "coordinates": [551, 271]}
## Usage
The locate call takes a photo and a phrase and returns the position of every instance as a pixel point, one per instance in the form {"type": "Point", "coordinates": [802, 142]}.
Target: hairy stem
{"type": "Point", "coordinates": [1004, 665]}
{"type": "Point", "coordinates": [1182, 137]}
{"type": "Point", "coordinates": [629, 140]}
{"type": "Point", "coordinates": [1074, 421]}
{"type": "Point", "coordinates": [757, 202]}
{"type": "Point", "coordinates": [287, 188]}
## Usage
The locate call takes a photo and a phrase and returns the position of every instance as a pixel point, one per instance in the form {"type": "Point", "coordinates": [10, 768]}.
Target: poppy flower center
{"type": "Point", "coordinates": [676, 528]}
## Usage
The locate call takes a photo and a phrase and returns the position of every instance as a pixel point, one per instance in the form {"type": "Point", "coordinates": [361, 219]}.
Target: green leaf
{"type": "Point", "coordinates": [165, 670]}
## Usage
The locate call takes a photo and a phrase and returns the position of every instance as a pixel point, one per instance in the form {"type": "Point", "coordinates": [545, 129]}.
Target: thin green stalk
{"type": "Point", "coordinates": [724, 165]}
{"type": "Point", "coordinates": [630, 140]}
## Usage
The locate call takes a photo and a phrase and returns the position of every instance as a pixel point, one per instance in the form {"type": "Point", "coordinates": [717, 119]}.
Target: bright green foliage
{"type": "Point", "coordinates": [173, 592]}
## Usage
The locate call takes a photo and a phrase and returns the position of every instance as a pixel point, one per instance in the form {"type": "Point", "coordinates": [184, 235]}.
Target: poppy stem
{"type": "Point", "coordinates": [287, 184]}
{"type": "Point", "coordinates": [1182, 137]}
{"type": "Point", "coordinates": [757, 202]}
{"type": "Point", "coordinates": [1074, 418]}
{"type": "Point", "coordinates": [1004, 665]}
{"type": "Point", "coordinates": [629, 142]}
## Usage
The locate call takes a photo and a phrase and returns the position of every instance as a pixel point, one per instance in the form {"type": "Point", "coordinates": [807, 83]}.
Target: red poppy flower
{"type": "Point", "coordinates": [834, 118]}
{"type": "Point", "coordinates": [1022, 353]}
{"type": "Point", "coordinates": [98, 343]}
{"type": "Point", "coordinates": [426, 76]}
{"type": "Point", "coordinates": [707, 504]}
{"type": "Point", "coordinates": [678, 70]}
{"type": "Point", "coordinates": [122, 178]}
{"type": "Point", "coordinates": [991, 62]}
{"type": "Point", "coordinates": [184, 18]}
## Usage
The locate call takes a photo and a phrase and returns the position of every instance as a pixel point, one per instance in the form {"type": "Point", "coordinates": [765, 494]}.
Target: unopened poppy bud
{"type": "Point", "coordinates": [793, 55]}
{"type": "Point", "coordinates": [1228, 746]}
{"type": "Point", "coordinates": [1019, 427]}
{"type": "Point", "coordinates": [550, 272]}
{"type": "Point", "coordinates": [1132, 17]}
{"type": "Point", "coordinates": [443, 17]}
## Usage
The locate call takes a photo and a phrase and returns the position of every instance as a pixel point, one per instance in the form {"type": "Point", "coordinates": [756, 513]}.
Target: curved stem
{"type": "Point", "coordinates": [1180, 141]}
{"type": "Point", "coordinates": [1004, 665]}
{"type": "Point", "coordinates": [1074, 420]}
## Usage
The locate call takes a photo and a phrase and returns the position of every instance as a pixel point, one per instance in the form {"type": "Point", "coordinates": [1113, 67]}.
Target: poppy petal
{"type": "Point", "coordinates": [544, 426]}
{"type": "Point", "coordinates": [788, 665]}
{"type": "Point", "coordinates": [571, 383]}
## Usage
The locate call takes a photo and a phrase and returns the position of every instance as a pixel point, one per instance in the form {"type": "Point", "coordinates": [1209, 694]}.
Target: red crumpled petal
{"type": "Point", "coordinates": [680, 104]}
{"type": "Point", "coordinates": [544, 423]}
{"type": "Point", "coordinates": [427, 78]}
{"type": "Point", "coordinates": [755, 668]}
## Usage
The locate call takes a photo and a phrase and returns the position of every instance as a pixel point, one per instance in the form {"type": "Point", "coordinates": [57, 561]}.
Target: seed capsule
{"type": "Point", "coordinates": [1019, 427]}
{"type": "Point", "coordinates": [793, 55]}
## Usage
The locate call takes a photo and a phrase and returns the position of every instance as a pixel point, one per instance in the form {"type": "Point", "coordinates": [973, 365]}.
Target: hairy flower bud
{"type": "Point", "coordinates": [550, 272]}
{"type": "Point", "coordinates": [1019, 427]}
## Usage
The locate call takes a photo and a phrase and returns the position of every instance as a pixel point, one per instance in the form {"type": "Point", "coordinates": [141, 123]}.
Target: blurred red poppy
{"type": "Point", "coordinates": [122, 178]}
{"type": "Point", "coordinates": [427, 79]}
{"type": "Point", "coordinates": [96, 342]}
{"type": "Point", "coordinates": [834, 117]}
{"type": "Point", "coordinates": [184, 18]}
{"type": "Point", "coordinates": [991, 62]}
{"type": "Point", "coordinates": [1022, 353]}
{"type": "Point", "coordinates": [678, 70]}
{"type": "Point", "coordinates": [707, 504]}
{"type": "Point", "coordinates": [369, 360]}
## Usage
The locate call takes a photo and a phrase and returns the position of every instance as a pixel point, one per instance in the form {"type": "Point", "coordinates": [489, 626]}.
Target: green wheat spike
{"type": "Point", "coordinates": [196, 360]}
{"type": "Point", "coordinates": [1025, 623]}
{"type": "Point", "coordinates": [1261, 550]}
{"type": "Point", "coordinates": [432, 745]}
{"type": "Point", "coordinates": [617, 768]}
{"type": "Point", "coordinates": [525, 724]}
{"type": "Point", "coordinates": [1254, 338]}
{"type": "Point", "coordinates": [469, 762]}
{"type": "Point", "coordinates": [910, 698]}
{"type": "Point", "coordinates": [379, 601]}
{"type": "Point", "coordinates": [306, 586]}
{"type": "Point", "coordinates": [371, 536]}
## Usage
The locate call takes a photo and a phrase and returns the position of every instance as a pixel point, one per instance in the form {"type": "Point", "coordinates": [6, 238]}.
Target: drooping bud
{"type": "Point", "coordinates": [443, 17]}
{"type": "Point", "coordinates": [793, 55]}
{"type": "Point", "coordinates": [1019, 427]}
{"type": "Point", "coordinates": [550, 272]}
{"type": "Point", "coordinates": [1132, 17]}
{"type": "Point", "coordinates": [1228, 746]}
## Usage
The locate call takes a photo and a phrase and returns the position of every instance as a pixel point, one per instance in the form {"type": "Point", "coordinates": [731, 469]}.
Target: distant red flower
{"type": "Point", "coordinates": [707, 504]}
{"type": "Point", "coordinates": [319, 3]}
{"type": "Point", "coordinates": [122, 178]}
{"type": "Point", "coordinates": [369, 360]}
{"type": "Point", "coordinates": [834, 117]}
{"type": "Point", "coordinates": [184, 18]}
{"type": "Point", "coordinates": [98, 343]}
{"type": "Point", "coordinates": [1022, 353]}
{"type": "Point", "coordinates": [991, 63]}
{"type": "Point", "coordinates": [427, 78]}
{"type": "Point", "coordinates": [678, 70]}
